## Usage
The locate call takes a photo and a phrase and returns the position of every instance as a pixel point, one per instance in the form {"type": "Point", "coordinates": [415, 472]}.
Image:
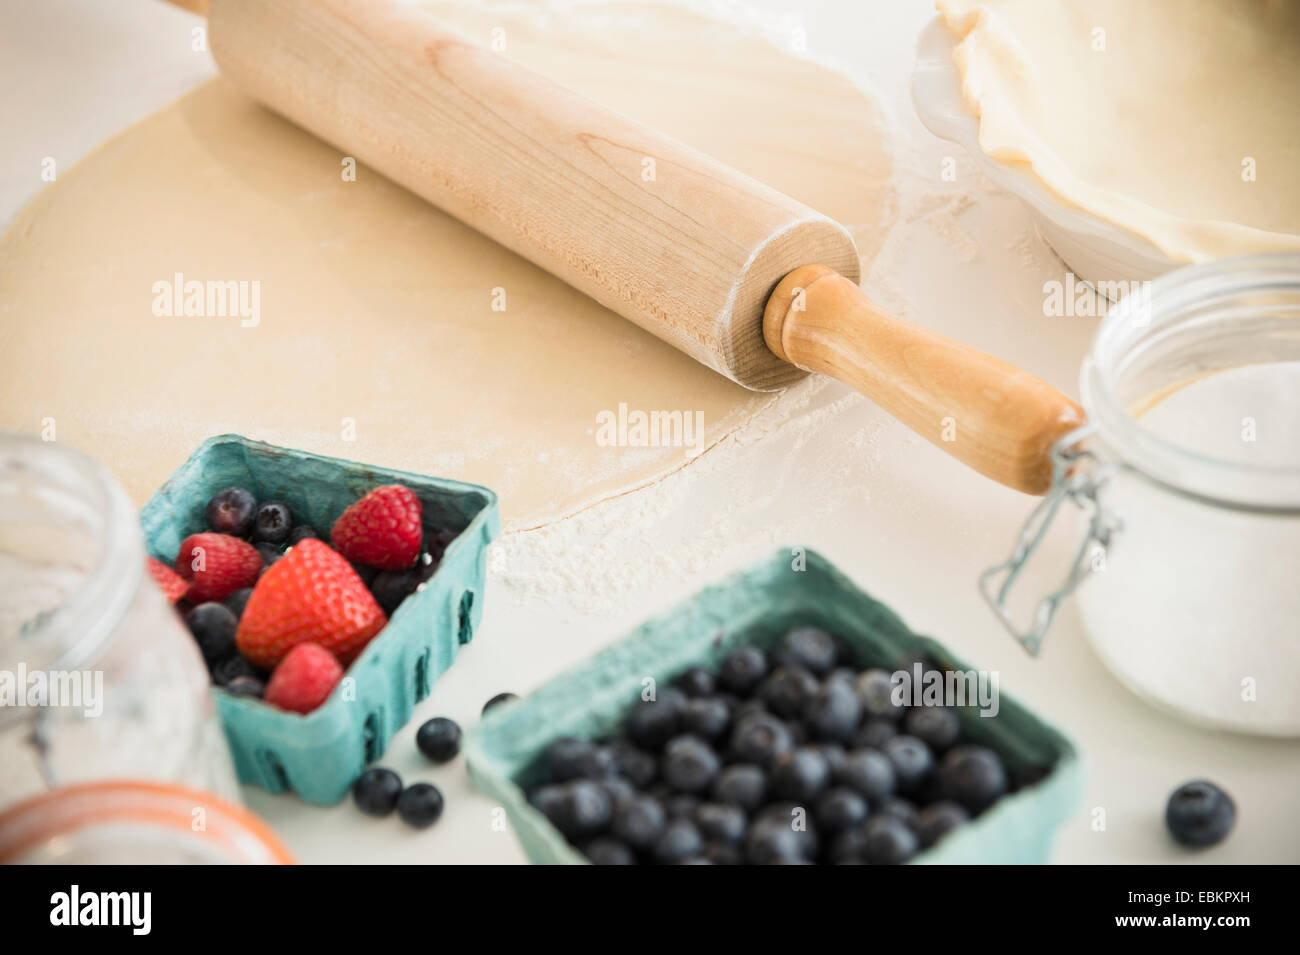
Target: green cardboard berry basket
{"type": "Point", "coordinates": [320, 754]}
{"type": "Point", "coordinates": [757, 607]}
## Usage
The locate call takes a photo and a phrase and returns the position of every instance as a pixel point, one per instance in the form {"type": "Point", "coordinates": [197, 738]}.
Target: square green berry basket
{"type": "Point", "coordinates": [756, 607]}
{"type": "Point", "coordinates": [320, 754]}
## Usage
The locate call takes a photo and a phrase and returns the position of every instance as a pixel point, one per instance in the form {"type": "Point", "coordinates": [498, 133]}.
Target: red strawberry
{"type": "Point", "coordinates": [172, 584]}
{"type": "Point", "coordinates": [310, 595]}
{"type": "Point", "coordinates": [216, 565]}
{"type": "Point", "coordinates": [304, 679]}
{"type": "Point", "coordinates": [382, 529]}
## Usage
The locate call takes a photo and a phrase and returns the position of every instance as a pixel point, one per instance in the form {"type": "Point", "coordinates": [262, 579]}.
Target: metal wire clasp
{"type": "Point", "coordinates": [1077, 476]}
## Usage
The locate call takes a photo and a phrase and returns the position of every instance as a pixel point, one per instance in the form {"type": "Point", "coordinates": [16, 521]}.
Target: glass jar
{"type": "Point", "coordinates": [1187, 483]}
{"type": "Point", "coordinates": [99, 678]}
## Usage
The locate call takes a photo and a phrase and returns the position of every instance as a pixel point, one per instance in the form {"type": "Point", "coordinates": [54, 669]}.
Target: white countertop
{"type": "Point", "coordinates": [911, 526]}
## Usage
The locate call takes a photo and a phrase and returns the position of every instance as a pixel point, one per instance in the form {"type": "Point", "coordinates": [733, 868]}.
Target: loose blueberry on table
{"type": "Point", "coordinates": [792, 756]}
{"type": "Point", "coordinates": [1200, 814]}
{"type": "Point", "coordinates": [256, 585]}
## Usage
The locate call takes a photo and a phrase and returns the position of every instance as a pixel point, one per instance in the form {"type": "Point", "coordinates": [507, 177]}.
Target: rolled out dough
{"type": "Point", "coordinates": [1175, 119]}
{"type": "Point", "coordinates": [378, 339]}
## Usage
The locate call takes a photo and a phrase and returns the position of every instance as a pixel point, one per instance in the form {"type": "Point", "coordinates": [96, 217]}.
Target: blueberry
{"type": "Point", "coordinates": [225, 672]}
{"type": "Point", "coordinates": [249, 686]}
{"type": "Point", "coordinates": [888, 841]}
{"type": "Point", "coordinates": [391, 587]}
{"type": "Point", "coordinates": [973, 776]}
{"type": "Point", "coordinates": [231, 511]}
{"type": "Point", "coordinates": [773, 840]}
{"type": "Point", "coordinates": [619, 789]}
{"type": "Point", "coordinates": [869, 773]}
{"type": "Point", "coordinates": [847, 847]}
{"type": "Point", "coordinates": [873, 733]}
{"type": "Point", "coordinates": [847, 674]}
{"type": "Point", "coordinates": [273, 524]}
{"type": "Point", "coordinates": [834, 754]}
{"type": "Point", "coordinates": [840, 808]}
{"type": "Point", "coordinates": [571, 758]}
{"type": "Point", "coordinates": [720, 822]}
{"type": "Point", "coordinates": [912, 761]}
{"type": "Point", "coordinates": [639, 767]}
{"type": "Point", "coordinates": [652, 723]}
{"type": "Point", "coordinates": [787, 690]}
{"type": "Point", "coordinates": [420, 805]}
{"type": "Point", "coordinates": [937, 820]}
{"type": "Point", "coordinates": [833, 712]}
{"type": "Point", "coordinates": [680, 805]}
{"type": "Point", "coordinates": [742, 708]}
{"type": "Point", "coordinates": [759, 738]}
{"type": "Point", "coordinates": [741, 785]}
{"type": "Point", "coordinates": [639, 822]}
{"type": "Point", "coordinates": [876, 692]}
{"type": "Point", "coordinates": [936, 726]}
{"type": "Point", "coordinates": [301, 533]}
{"type": "Point", "coordinates": [376, 791]}
{"type": "Point", "coordinates": [367, 574]}
{"type": "Point", "coordinates": [741, 670]}
{"type": "Point", "coordinates": [705, 716]}
{"type": "Point", "coordinates": [425, 568]}
{"type": "Point", "coordinates": [213, 627]}
{"type": "Point", "coordinates": [546, 799]}
{"type": "Point", "coordinates": [580, 810]}
{"type": "Point", "coordinates": [269, 552]}
{"type": "Point", "coordinates": [689, 765]}
{"type": "Point", "coordinates": [721, 853]}
{"type": "Point", "coordinates": [808, 647]}
{"type": "Point", "coordinates": [237, 601]}
{"type": "Point", "coordinates": [499, 699]}
{"type": "Point", "coordinates": [1199, 814]}
{"type": "Point", "coordinates": [606, 851]}
{"type": "Point", "coordinates": [438, 739]}
{"type": "Point", "coordinates": [902, 809]}
{"type": "Point", "coordinates": [800, 775]}
{"type": "Point", "coordinates": [696, 681]}
{"type": "Point", "coordinates": [679, 841]}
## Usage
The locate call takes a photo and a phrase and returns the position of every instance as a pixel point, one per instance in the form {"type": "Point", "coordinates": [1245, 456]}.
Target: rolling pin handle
{"type": "Point", "coordinates": [983, 411]}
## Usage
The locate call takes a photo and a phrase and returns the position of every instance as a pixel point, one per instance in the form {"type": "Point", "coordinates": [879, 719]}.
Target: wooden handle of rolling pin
{"type": "Point", "coordinates": [994, 417]}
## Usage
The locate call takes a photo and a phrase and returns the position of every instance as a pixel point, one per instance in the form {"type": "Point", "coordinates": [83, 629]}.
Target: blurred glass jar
{"type": "Point", "coordinates": [99, 678]}
{"type": "Point", "coordinates": [134, 823]}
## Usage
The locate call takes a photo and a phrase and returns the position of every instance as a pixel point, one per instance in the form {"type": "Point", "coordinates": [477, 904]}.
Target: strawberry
{"type": "Point", "coordinates": [304, 679]}
{"type": "Point", "coordinates": [172, 584]}
{"type": "Point", "coordinates": [310, 595]}
{"type": "Point", "coordinates": [216, 565]}
{"type": "Point", "coordinates": [382, 529]}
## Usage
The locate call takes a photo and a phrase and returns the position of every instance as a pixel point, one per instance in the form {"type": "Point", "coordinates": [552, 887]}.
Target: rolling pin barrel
{"type": "Point", "coordinates": [739, 276]}
{"type": "Point", "coordinates": [679, 243]}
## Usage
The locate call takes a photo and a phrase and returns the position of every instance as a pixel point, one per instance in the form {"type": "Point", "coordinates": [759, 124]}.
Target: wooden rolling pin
{"type": "Point", "coordinates": [739, 276]}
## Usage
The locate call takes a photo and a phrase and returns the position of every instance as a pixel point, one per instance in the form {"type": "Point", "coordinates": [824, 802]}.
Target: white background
{"type": "Point", "coordinates": [910, 525]}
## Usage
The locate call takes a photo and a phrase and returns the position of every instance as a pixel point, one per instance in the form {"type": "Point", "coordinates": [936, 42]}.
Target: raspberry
{"type": "Point", "coordinates": [304, 679]}
{"type": "Point", "coordinates": [382, 529]}
{"type": "Point", "coordinates": [172, 584]}
{"type": "Point", "coordinates": [216, 565]}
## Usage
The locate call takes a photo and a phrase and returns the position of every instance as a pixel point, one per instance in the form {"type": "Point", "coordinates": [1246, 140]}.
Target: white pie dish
{"type": "Point", "coordinates": [1096, 250]}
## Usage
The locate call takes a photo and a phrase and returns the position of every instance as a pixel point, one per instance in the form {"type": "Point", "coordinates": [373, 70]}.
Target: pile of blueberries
{"type": "Point", "coordinates": [269, 526]}
{"type": "Point", "coordinates": [792, 757]}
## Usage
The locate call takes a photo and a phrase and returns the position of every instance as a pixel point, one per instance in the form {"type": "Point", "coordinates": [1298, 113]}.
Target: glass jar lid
{"type": "Point", "coordinates": [136, 823]}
